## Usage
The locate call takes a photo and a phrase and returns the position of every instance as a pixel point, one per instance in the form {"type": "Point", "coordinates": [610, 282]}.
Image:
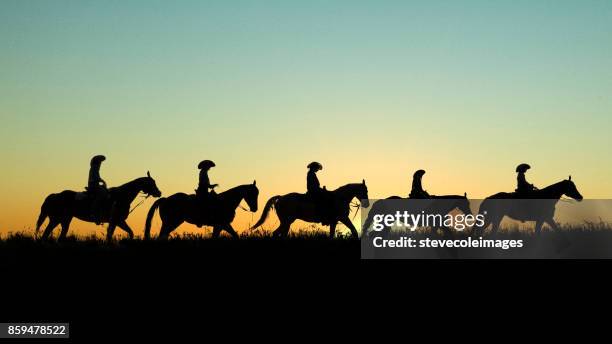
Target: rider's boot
{"type": "Point", "coordinates": [325, 213]}
{"type": "Point", "coordinates": [199, 221]}
{"type": "Point", "coordinates": [202, 204]}
{"type": "Point", "coordinates": [95, 214]}
{"type": "Point", "coordinates": [98, 216]}
{"type": "Point", "coordinates": [97, 219]}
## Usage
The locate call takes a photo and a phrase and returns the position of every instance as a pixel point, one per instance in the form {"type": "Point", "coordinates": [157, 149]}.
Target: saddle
{"type": "Point", "coordinates": [205, 208]}
{"type": "Point", "coordinates": [97, 203]}
{"type": "Point", "coordinates": [87, 194]}
{"type": "Point", "coordinates": [523, 195]}
{"type": "Point", "coordinates": [83, 195]}
{"type": "Point", "coordinates": [323, 202]}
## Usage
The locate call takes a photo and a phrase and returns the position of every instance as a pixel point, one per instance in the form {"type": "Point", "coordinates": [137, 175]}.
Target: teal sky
{"type": "Point", "coordinates": [372, 89]}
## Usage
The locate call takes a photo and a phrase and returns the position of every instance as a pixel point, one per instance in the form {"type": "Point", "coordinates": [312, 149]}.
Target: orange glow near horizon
{"type": "Point", "coordinates": [465, 91]}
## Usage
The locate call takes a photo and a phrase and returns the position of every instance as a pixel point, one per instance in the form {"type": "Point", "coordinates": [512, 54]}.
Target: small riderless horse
{"type": "Point", "coordinates": [294, 206]}
{"type": "Point", "coordinates": [61, 207]}
{"type": "Point", "coordinates": [540, 207]}
{"type": "Point", "coordinates": [435, 205]}
{"type": "Point", "coordinates": [219, 214]}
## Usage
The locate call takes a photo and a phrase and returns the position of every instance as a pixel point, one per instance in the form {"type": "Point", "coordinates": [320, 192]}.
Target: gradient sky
{"type": "Point", "coordinates": [371, 89]}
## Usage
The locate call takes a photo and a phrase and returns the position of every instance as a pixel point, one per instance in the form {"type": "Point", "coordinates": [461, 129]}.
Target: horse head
{"type": "Point", "coordinates": [359, 191]}
{"type": "Point", "coordinates": [463, 204]}
{"type": "Point", "coordinates": [354, 190]}
{"type": "Point", "coordinates": [570, 189]}
{"type": "Point", "coordinates": [149, 186]}
{"type": "Point", "coordinates": [251, 196]}
{"type": "Point", "coordinates": [363, 194]}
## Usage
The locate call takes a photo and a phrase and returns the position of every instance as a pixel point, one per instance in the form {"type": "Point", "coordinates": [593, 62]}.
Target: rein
{"type": "Point", "coordinates": [144, 198]}
{"type": "Point", "coordinates": [239, 205]}
{"type": "Point", "coordinates": [355, 205]}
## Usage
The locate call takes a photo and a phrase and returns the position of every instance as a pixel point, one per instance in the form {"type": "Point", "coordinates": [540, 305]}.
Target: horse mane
{"type": "Point", "coordinates": [131, 182]}
{"type": "Point", "coordinates": [343, 187]}
{"type": "Point", "coordinates": [234, 189]}
{"type": "Point", "coordinates": [504, 195]}
{"type": "Point", "coordinates": [553, 186]}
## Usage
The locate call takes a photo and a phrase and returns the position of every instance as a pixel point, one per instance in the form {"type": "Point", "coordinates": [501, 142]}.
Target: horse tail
{"type": "Point", "coordinates": [44, 213]}
{"type": "Point", "coordinates": [264, 215]}
{"type": "Point", "coordinates": [147, 232]}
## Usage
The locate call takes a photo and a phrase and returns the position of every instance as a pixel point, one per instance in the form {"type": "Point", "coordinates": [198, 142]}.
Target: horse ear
{"type": "Point", "coordinates": [148, 174]}
{"type": "Point", "coordinates": [570, 177]}
{"type": "Point", "coordinates": [363, 182]}
{"type": "Point", "coordinates": [254, 182]}
{"type": "Point", "coordinates": [465, 194]}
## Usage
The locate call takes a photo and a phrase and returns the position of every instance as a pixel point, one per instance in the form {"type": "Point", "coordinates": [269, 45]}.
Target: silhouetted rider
{"type": "Point", "coordinates": [202, 192]}
{"type": "Point", "coordinates": [522, 186]}
{"type": "Point", "coordinates": [204, 184]}
{"type": "Point", "coordinates": [96, 186]}
{"type": "Point", "coordinates": [417, 187]}
{"type": "Point", "coordinates": [312, 182]}
{"type": "Point", "coordinates": [314, 190]}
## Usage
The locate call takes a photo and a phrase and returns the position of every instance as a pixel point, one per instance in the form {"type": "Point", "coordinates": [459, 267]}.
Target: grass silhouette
{"type": "Point", "coordinates": [589, 240]}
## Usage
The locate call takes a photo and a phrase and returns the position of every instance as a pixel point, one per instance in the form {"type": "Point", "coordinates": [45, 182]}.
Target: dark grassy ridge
{"type": "Point", "coordinates": [105, 290]}
{"type": "Point", "coordinates": [20, 250]}
{"type": "Point", "coordinates": [587, 241]}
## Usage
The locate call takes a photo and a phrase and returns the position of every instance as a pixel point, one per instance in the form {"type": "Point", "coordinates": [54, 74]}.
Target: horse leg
{"type": "Point", "coordinates": [109, 232]}
{"type": "Point", "coordinates": [216, 231]}
{"type": "Point", "coordinates": [126, 228]}
{"type": "Point", "coordinates": [332, 230]}
{"type": "Point", "coordinates": [53, 222]}
{"type": "Point", "coordinates": [231, 231]}
{"type": "Point", "coordinates": [65, 227]}
{"type": "Point", "coordinates": [551, 222]}
{"type": "Point", "coordinates": [283, 228]}
{"type": "Point", "coordinates": [166, 229]}
{"type": "Point", "coordinates": [351, 226]}
{"type": "Point", "coordinates": [481, 229]}
{"type": "Point", "coordinates": [277, 232]}
{"type": "Point", "coordinates": [287, 228]}
{"type": "Point", "coordinates": [538, 227]}
{"type": "Point", "coordinates": [495, 222]}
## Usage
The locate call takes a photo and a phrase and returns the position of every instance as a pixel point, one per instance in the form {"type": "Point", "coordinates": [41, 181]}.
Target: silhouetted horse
{"type": "Point", "coordinates": [62, 207]}
{"type": "Point", "coordinates": [294, 206]}
{"type": "Point", "coordinates": [182, 207]}
{"type": "Point", "coordinates": [434, 205]}
{"type": "Point", "coordinates": [540, 207]}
